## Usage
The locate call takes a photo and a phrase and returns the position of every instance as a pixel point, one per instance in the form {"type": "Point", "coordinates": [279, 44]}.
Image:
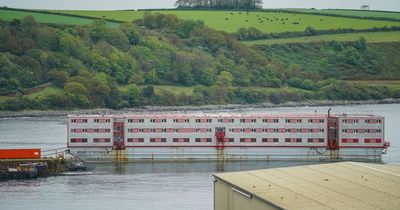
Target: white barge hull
{"type": "Point", "coordinates": [235, 153]}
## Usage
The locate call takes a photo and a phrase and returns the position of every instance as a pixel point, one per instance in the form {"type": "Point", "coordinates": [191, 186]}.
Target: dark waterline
{"type": "Point", "coordinates": [166, 186]}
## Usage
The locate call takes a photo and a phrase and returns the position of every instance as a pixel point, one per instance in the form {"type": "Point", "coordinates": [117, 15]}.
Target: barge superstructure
{"type": "Point", "coordinates": [259, 136]}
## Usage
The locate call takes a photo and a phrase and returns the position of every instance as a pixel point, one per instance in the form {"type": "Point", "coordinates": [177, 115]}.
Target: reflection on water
{"type": "Point", "coordinates": [166, 186]}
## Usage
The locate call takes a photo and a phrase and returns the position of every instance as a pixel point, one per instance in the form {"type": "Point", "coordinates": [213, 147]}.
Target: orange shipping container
{"type": "Point", "coordinates": [20, 153]}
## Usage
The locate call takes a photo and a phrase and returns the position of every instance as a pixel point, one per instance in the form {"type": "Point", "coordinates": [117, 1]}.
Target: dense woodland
{"type": "Point", "coordinates": [116, 67]}
{"type": "Point", "coordinates": [220, 4]}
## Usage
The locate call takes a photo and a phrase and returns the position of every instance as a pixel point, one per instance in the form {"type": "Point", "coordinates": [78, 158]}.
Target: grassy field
{"type": "Point", "coordinates": [2, 98]}
{"type": "Point", "coordinates": [231, 21]}
{"type": "Point", "coordinates": [44, 18]}
{"type": "Point", "coordinates": [357, 13]}
{"type": "Point", "coordinates": [387, 83]}
{"type": "Point", "coordinates": [188, 90]}
{"type": "Point", "coordinates": [371, 37]}
{"type": "Point", "coordinates": [43, 92]}
{"type": "Point", "coordinates": [171, 88]}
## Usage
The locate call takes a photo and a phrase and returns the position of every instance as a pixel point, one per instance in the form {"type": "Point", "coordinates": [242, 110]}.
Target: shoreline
{"type": "Point", "coordinates": [226, 107]}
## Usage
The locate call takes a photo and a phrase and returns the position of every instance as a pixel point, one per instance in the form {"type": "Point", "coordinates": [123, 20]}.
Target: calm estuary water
{"type": "Point", "coordinates": [164, 186]}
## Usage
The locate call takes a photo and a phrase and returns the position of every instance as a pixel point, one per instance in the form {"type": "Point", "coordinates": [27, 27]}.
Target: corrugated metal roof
{"type": "Point", "coordinates": [345, 185]}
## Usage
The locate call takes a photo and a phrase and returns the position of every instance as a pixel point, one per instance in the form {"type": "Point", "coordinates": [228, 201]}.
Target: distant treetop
{"type": "Point", "coordinates": [220, 4]}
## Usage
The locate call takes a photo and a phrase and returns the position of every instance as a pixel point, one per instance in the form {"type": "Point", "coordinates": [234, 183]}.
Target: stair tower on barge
{"type": "Point", "coordinates": [118, 134]}
{"type": "Point", "coordinates": [220, 138]}
{"type": "Point", "coordinates": [332, 132]}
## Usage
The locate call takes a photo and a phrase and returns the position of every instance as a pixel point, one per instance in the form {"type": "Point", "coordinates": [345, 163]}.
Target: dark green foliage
{"type": "Point", "coordinates": [59, 78]}
{"type": "Point", "coordinates": [116, 67]}
{"type": "Point", "coordinates": [350, 60]}
{"type": "Point", "coordinates": [134, 95]}
{"type": "Point", "coordinates": [186, 27]}
{"type": "Point", "coordinates": [255, 34]}
{"type": "Point", "coordinates": [249, 34]}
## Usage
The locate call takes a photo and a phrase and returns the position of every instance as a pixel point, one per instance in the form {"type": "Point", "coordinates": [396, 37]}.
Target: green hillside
{"type": "Point", "coordinates": [356, 13]}
{"type": "Point", "coordinates": [341, 60]}
{"type": "Point", "coordinates": [231, 21]}
{"type": "Point", "coordinates": [371, 37]}
{"type": "Point", "coordinates": [6, 14]}
{"type": "Point", "coordinates": [163, 60]}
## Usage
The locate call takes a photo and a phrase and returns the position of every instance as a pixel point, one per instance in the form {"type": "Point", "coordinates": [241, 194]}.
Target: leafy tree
{"type": "Point", "coordinates": [98, 30]}
{"type": "Point", "coordinates": [309, 31]}
{"type": "Point", "coordinates": [118, 38]}
{"type": "Point", "coordinates": [76, 89]}
{"type": "Point", "coordinates": [133, 95]}
{"type": "Point", "coordinates": [133, 34]}
{"type": "Point", "coordinates": [361, 44]}
{"type": "Point", "coordinates": [137, 78]}
{"type": "Point", "coordinates": [99, 91]}
{"type": "Point", "coordinates": [209, 38]}
{"type": "Point", "coordinates": [151, 77]}
{"type": "Point", "coordinates": [59, 78]}
{"type": "Point", "coordinates": [70, 45]}
{"type": "Point", "coordinates": [29, 27]}
{"type": "Point", "coordinates": [185, 28]}
{"type": "Point", "coordinates": [58, 100]}
{"type": "Point", "coordinates": [148, 91]}
{"type": "Point", "coordinates": [47, 38]}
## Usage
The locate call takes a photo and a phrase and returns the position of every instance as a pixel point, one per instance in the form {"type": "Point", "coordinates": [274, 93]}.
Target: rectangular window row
{"type": "Point", "coordinates": [373, 121]}
{"type": "Point", "coordinates": [270, 120]}
{"type": "Point", "coordinates": [95, 140]}
{"type": "Point", "coordinates": [135, 120]}
{"type": "Point", "coordinates": [350, 121]}
{"type": "Point", "coordinates": [203, 139]}
{"type": "Point", "coordinates": [232, 130]}
{"type": "Point", "coordinates": [158, 140]}
{"type": "Point", "coordinates": [169, 130]}
{"type": "Point", "coordinates": [231, 140]}
{"type": "Point", "coordinates": [293, 140]}
{"type": "Point", "coordinates": [316, 120]}
{"type": "Point", "coordinates": [293, 120]}
{"type": "Point", "coordinates": [79, 140]}
{"type": "Point", "coordinates": [158, 120]}
{"type": "Point", "coordinates": [181, 120]}
{"type": "Point", "coordinates": [79, 120]}
{"type": "Point", "coordinates": [372, 141]}
{"type": "Point", "coordinates": [349, 141]}
{"type": "Point", "coordinates": [102, 120]}
{"type": "Point", "coordinates": [367, 141]}
{"type": "Point", "coordinates": [224, 120]}
{"type": "Point", "coordinates": [208, 140]}
{"type": "Point", "coordinates": [180, 140]}
{"type": "Point", "coordinates": [90, 130]}
{"type": "Point", "coordinates": [136, 140]}
{"type": "Point", "coordinates": [368, 121]}
{"type": "Point", "coordinates": [276, 130]}
{"type": "Point", "coordinates": [101, 140]}
{"type": "Point", "coordinates": [361, 131]}
{"type": "Point", "coordinates": [96, 120]}
{"type": "Point", "coordinates": [248, 140]}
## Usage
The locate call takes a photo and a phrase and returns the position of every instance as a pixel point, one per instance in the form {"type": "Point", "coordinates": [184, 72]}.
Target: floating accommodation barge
{"type": "Point", "coordinates": [157, 136]}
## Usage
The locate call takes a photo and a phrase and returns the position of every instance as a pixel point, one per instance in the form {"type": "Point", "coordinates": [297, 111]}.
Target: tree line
{"type": "Point", "coordinates": [220, 4]}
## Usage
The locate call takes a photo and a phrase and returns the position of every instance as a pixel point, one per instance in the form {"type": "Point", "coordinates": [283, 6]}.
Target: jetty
{"type": "Point", "coordinates": [31, 168]}
{"type": "Point", "coordinates": [31, 163]}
